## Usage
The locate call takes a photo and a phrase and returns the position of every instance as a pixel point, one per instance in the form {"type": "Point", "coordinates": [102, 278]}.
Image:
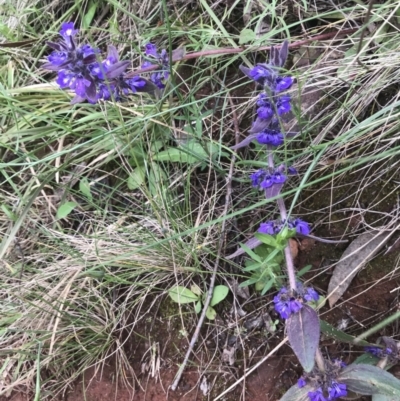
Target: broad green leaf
{"type": "Point", "coordinates": [303, 332]}
{"type": "Point", "coordinates": [380, 397]}
{"type": "Point", "coordinates": [267, 239]}
{"type": "Point", "coordinates": [246, 36]}
{"type": "Point", "coordinates": [197, 307]}
{"type": "Point", "coordinates": [182, 295]}
{"type": "Point", "coordinates": [210, 313]}
{"type": "Point", "coordinates": [84, 187]}
{"type": "Point", "coordinates": [367, 359]}
{"type": "Point", "coordinates": [219, 294]}
{"type": "Point", "coordinates": [253, 255]}
{"type": "Point", "coordinates": [157, 178]}
{"type": "Point", "coordinates": [297, 394]}
{"type": "Point", "coordinates": [136, 178]}
{"type": "Point", "coordinates": [65, 209]}
{"type": "Point", "coordinates": [370, 380]}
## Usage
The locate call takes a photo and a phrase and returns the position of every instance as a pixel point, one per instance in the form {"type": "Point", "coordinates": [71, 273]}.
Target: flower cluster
{"type": "Point", "coordinates": [275, 227]}
{"type": "Point", "coordinates": [79, 69]}
{"type": "Point", "coordinates": [271, 180]}
{"type": "Point", "coordinates": [326, 387]}
{"type": "Point", "coordinates": [379, 352]}
{"type": "Point", "coordinates": [288, 302]}
{"type": "Point", "coordinates": [271, 105]}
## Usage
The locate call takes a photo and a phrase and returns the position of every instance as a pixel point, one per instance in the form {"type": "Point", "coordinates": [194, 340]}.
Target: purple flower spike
{"type": "Point", "coordinates": [283, 83]}
{"type": "Point", "coordinates": [270, 137]}
{"type": "Point", "coordinates": [267, 228]}
{"type": "Point", "coordinates": [337, 390]}
{"type": "Point", "coordinates": [301, 227]}
{"type": "Point", "coordinates": [285, 304]}
{"type": "Point", "coordinates": [80, 85]}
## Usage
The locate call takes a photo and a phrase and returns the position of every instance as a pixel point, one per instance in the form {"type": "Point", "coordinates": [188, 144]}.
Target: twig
{"type": "Point", "coordinates": [217, 259]}
{"type": "Point", "coordinates": [236, 50]}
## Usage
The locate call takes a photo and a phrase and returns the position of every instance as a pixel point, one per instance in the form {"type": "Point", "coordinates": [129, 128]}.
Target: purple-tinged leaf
{"type": "Point", "coordinates": [297, 394]}
{"type": "Point", "coordinates": [91, 90]}
{"type": "Point", "coordinates": [178, 54]}
{"type": "Point", "coordinates": [56, 46]}
{"type": "Point", "coordinates": [274, 57]}
{"type": "Point", "coordinates": [283, 53]}
{"type": "Point", "coordinates": [273, 191]}
{"type": "Point", "coordinates": [77, 99]}
{"type": "Point", "coordinates": [246, 71]}
{"type": "Point", "coordinates": [251, 244]}
{"type": "Point", "coordinates": [245, 142]}
{"type": "Point", "coordinates": [303, 332]}
{"type": "Point", "coordinates": [370, 380]}
{"type": "Point", "coordinates": [51, 67]}
{"type": "Point", "coordinates": [117, 69]}
{"type": "Point", "coordinates": [112, 54]}
{"type": "Point", "coordinates": [354, 258]}
{"type": "Point", "coordinates": [259, 125]}
{"type": "Point", "coordinates": [89, 59]}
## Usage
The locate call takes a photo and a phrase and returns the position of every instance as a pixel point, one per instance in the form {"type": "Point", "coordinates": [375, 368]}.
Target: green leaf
{"type": "Point", "coordinates": [304, 270]}
{"type": "Point", "coordinates": [84, 187]}
{"type": "Point", "coordinates": [251, 253]}
{"type": "Point", "coordinates": [330, 331]}
{"type": "Point", "coordinates": [267, 239]}
{"type": "Point", "coordinates": [182, 295]}
{"type": "Point", "coordinates": [267, 286]}
{"type": "Point", "coordinates": [381, 397]}
{"type": "Point", "coordinates": [246, 36]}
{"type": "Point", "coordinates": [10, 215]}
{"type": "Point", "coordinates": [367, 359]}
{"type": "Point", "coordinates": [219, 294]}
{"type": "Point", "coordinates": [210, 313]}
{"type": "Point", "coordinates": [370, 380]}
{"type": "Point", "coordinates": [197, 307]}
{"type": "Point", "coordinates": [297, 394]}
{"type": "Point", "coordinates": [252, 266]}
{"type": "Point", "coordinates": [88, 17]}
{"type": "Point", "coordinates": [157, 177]}
{"type": "Point", "coordinates": [65, 209]}
{"type": "Point", "coordinates": [136, 178]}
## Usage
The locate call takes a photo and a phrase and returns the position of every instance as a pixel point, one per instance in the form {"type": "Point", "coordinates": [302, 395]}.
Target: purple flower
{"type": "Point", "coordinates": [68, 32]}
{"type": "Point", "coordinates": [267, 228]}
{"type": "Point", "coordinates": [285, 305]}
{"type": "Point", "coordinates": [265, 113]}
{"type": "Point", "coordinates": [283, 83]}
{"type": "Point", "coordinates": [310, 294]}
{"type": "Point", "coordinates": [283, 105]}
{"type": "Point", "coordinates": [151, 50]}
{"type": "Point", "coordinates": [257, 177]}
{"type": "Point", "coordinates": [337, 390]}
{"type": "Point", "coordinates": [301, 382]}
{"type": "Point", "coordinates": [68, 29]}
{"type": "Point", "coordinates": [65, 78]}
{"type": "Point", "coordinates": [57, 57]}
{"type": "Point", "coordinates": [270, 137]}
{"type": "Point", "coordinates": [267, 182]}
{"type": "Point", "coordinates": [301, 227]}
{"type": "Point", "coordinates": [80, 85]}
{"type": "Point", "coordinates": [278, 178]}
{"type": "Point", "coordinates": [259, 73]}
{"type": "Point", "coordinates": [378, 352]}
{"type": "Point", "coordinates": [136, 83]}
{"type": "Point", "coordinates": [317, 395]}
{"type": "Point", "coordinates": [87, 50]}
{"type": "Point", "coordinates": [292, 171]}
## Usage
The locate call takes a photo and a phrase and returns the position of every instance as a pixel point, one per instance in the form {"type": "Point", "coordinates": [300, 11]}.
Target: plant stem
{"type": "Point", "coordinates": [236, 50]}
{"type": "Point", "coordinates": [319, 359]}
